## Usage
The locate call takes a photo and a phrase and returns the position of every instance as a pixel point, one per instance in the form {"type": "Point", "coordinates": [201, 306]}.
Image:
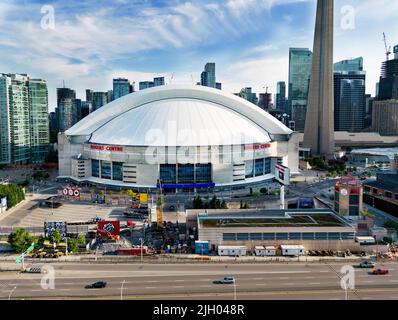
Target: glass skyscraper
{"type": "Point", "coordinates": [280, 99]}
{"type": "Point", "coordinates": [39, 128]}
{"type": "Point", "coordinates": [300, 64]}
{"type": "Point", "coordinates": [24, 128]}
{"type": "Point", "coordinates": [121, 87]}
{"type": "Point", "coordinates": [159, 81]}
{"type": "Point", "coordinates": [66, 113]}
{"type": "Point", "coordinates": [349, 95]}
{"type": "Point", "coordinates": [208, 76]}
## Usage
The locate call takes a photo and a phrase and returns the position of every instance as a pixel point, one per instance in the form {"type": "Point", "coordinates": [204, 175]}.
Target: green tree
{"type": "Point", "coordinates": [56, 237]}
{"type": "Point", "coordinates": [40, 241]}
{"type": "Point", "coordinates": [263, 190]}
{"type": "Point", "coordinates": [391, 225]}
{"type": "Point", "coordinates": [72, 245]}
{"type": "Point", "coordinates": [20, 240]}
{"type": "Point", "coordinates": [198, 203]}
{"type": "Point", "coordinates": [81, 239]}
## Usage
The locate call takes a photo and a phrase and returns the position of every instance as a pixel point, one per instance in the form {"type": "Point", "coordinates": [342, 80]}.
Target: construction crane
{"type": "Point", "coordinates": [388, 48]}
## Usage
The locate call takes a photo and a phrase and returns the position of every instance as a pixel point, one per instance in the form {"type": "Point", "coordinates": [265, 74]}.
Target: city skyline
{"type": "Point", "coordinates": [180, 37]}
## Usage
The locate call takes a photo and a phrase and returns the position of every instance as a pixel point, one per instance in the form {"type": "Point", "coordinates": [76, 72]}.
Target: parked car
{"type": "Point", "coordinates": [367, 264]}
{"type": "Point", "coordinates": [96, 285]}
{"type": "Point", "coordinates": [225, 280]}
{"type": "Point", "coordinates": [380, 271]}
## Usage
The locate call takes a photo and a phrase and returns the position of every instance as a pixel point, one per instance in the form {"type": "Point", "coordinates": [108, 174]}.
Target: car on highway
{"type": "Point", "coordinates": [367, 264]}
{"type": "Point", "coordinates": [225, 280]}
{"type": "Point", "coordinates": [380, 271]}
{"type": "Point", "coordinates": [96, 285]}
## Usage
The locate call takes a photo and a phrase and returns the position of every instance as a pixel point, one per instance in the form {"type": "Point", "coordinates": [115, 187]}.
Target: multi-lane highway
{"type": "Point", "coordinates": [194, 281]}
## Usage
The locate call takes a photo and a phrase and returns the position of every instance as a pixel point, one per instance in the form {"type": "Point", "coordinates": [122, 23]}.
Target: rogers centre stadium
{"type": "Point", "coordinates": [176, 137]}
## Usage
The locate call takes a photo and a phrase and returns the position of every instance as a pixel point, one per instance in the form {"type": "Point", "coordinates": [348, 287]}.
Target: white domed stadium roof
{"type": "Point", "coordinates": [179, 116]}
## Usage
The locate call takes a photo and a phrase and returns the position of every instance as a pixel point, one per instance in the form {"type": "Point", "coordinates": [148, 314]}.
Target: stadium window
{"type": "Point", "coordinates": [256, 236]}
{"type": "Point", "coordinates": [117, 171]}
{"type": "Point", "coordinates": [95, 168]}
{"type": "Point", "coordinates": [203, 173]}
{"type": "Point", "coordinates": [295, 236]}
{"type": "Point", "coordinates": [308, 236]}
{"type": "Point", "coordinates": [259, 167]}
{"type": "Point", "coordinates": [268, 236]}
{"type": "Point", "coordinates": [249, 169]}
{"type": "Point", "coordinates": [186, 173]}
{"type": "Point", "coordinates": [168, 173]}
{"type": "Point", "coordinates": [334, 236]}
{"type": "Point", "coordinates": [321, 236]}
{"type": "Point", "coordinates": [267, 166]}
{"type": "Point", "coordinates": [243, 236]}
{"type": "Point", "coordinates": [282, 236]}
{"type": "Point", "coordinates": [105, 170]}
{"type": "Point", "coordinates": [229, 236]}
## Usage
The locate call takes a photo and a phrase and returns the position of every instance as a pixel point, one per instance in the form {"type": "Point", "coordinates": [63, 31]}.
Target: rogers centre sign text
{"type": "Point", "coordinates": [258, 146]}
{"type": "Point", "coordinates": [106, 148]}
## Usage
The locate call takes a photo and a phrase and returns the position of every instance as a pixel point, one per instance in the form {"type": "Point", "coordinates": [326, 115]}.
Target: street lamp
{"type": "Point", "coordinates": [121, 290]}
{"type": "Point", "coordinates": [234, 289]}
{"type": "Point", "coordinates": [9, 297]}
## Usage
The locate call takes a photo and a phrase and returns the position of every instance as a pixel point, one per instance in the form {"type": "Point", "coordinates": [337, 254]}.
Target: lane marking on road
{"type": "Point", "coordinates": [284, 278]}
{"type": "Point", "coordinates": [152, 281]}
{"type": "Point", "coordinates": [261, 284]}
{"type": "Point", "coordinates": [368, 281]}
{"type": "Point", "coordinates": [150, 287]}
{"type": "Point", "coordinates": [178, 287]}
{"type": "Point", "coordinates": [309, 277]}
{"type": "Point", "coordinates": [258, 278]}
{"type": "Point", "coordinates": [205, 286]}
{"type": "Point", "coordinates": [204, 280]}
{"type": "Point", "coordinates": [35, 290]}
{"type": "Point", "coordinates": [315, 283]}
{"type": "Point", "coordinates": [179, 280]}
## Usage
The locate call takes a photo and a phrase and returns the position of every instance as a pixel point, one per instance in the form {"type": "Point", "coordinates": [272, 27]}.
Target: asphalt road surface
{"type": "Point", "coordinates": [194, 281]}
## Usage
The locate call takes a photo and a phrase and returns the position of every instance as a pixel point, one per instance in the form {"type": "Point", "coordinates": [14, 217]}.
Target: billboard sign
{"type": "Point", "coordinates": [109, 229]}
{"type": "Point", "coordinates": [71, 192]}
{"type": "Point", "coordinates": [51, 227]}
{"type": "Point", "coordinates": [282, 174]}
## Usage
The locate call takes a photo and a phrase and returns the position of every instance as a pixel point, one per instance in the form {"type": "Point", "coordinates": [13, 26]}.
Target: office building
{"type": "Point", "coordinates": [121, 87]}
{"type": "Point", "coordinates": [85, 109]}
{"type": "Point", "coordinates": [208, 76]}
{"type": "Point", "coordinates": [300, 61]}
{"type": "Point", "coordinates": [99, 100]}
{"type": "Point", "coordinates": [388, 85]}
{"type": "Point", "coordinates": [39, 123]}
{"type": "Point", "coordinates": [24, 128]}
{"type": "Point", "coordinates": [247, 94]}
{"type": "Point", "coordinates": [158, 81]}
{"type": "Point", "coordinates": [385, 117]}
{"type": "Point", "coordinates": [265, 101]}
{"type": "Point", "coordinates": [368, 111]}
{"type": "Point", "coordinates": [150, 84]}
{"type": "Point", "coordinates": [280, 97]}
{"type": "Point", "coordinates": [109, 96]}
{"type": "Point", "coordinates": [219, 85]}
{"type": "Point", "coordinates": [230, 142]}
{"type": "Point", "coordinates": [319, 124]}
{"type": "Point", "coordinates": [349, 95]}
{"type": "Point", "coordinates": [353, 65]}
{"type": "Point", "coordinates": [89, 95]}
{"type": "Point", "coordinates": [66, 112]}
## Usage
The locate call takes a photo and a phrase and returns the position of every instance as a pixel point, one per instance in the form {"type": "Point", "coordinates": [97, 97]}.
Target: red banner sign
{"type": "Point", "coordinates": [106, 148]}
{"type": "Point", "coordinates": [258, 146]}
{"type": "Point", "coordinates": [109, 229]}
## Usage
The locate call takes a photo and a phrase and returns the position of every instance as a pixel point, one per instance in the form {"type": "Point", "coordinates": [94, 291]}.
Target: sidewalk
{"type": "Point", "coordinates": [29, 198]}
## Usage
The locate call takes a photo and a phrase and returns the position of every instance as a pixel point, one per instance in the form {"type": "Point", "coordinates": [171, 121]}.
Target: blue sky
{"type": "Point", "coordinates": [96, 40]}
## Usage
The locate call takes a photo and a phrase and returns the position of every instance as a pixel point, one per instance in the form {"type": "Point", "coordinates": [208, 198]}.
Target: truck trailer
{"type": "Point", "coordinates": [291, 250]}
{"type": "Point", "coordinates": [232, 251]}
